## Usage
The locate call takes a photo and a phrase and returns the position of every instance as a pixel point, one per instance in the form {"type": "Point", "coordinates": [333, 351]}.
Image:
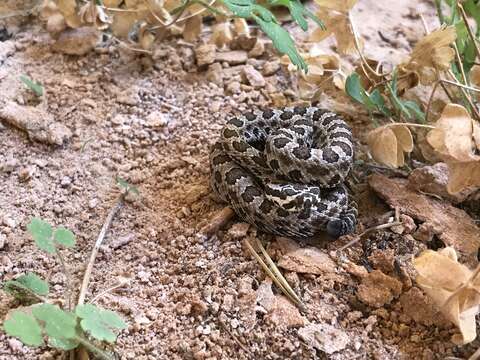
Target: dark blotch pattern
{"type": "Point", "coordinates": [300, 110]}
{"type": "Point", "coordinates": [344, 146]}
{"type": "Point", "coordinates": [301, 152]}
{"type": "Point", "coordinates": [267, 114]}
{"type": "Point", "coordinates": [274, 165]}
{"type": "Point", "coordinates": [237, 122]}
{"type": "Point", "coordinates": [240, 146]}
{"type": "Point", "coordinates": [228, 133]}
{"type": "Point", "coordinates": [250, 193]}
{"type": "Point", "coordinates": [233, 175]}
{"type": "Point", "coordinates": [250, 116]}
{"type": "Point", "coordinates": [286, 115]}
{"type": "Point", "coordinates": [280, 142]}
{"type": "Point", "coordinates": [329, 155]}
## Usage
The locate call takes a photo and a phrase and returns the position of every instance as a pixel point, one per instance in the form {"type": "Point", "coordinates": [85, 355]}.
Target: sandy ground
{"type": "Point", "coordinates": [151, 121]}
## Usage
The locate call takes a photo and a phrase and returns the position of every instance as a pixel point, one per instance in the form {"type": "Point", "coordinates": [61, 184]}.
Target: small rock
{"type": "Point", "coordinates": [215, 74]}
{"type": "Point", "coordinates": [92, 204]}
{"type": "Point", "coordinates": [284, 313]}
{"type": "Point", "coordinates": [407, 227]}
{"type": "Point", "coordinates": [15, 345]}
{"type": "Point", "coordinates": [234, 87]}
{"type": "Point", "coordinates": [425, 232]}
{"type": "Point", "coordinates": [265, 296]}
{"type": "Point", "coordinates": [65, 182]}
{"type": "Point", "coordinates": [258, 49]}
{"type": "Point", "coordinates": [383, 260]}
{"type": "Point", "coordinates": [324, 337]}
{"type": "Point", "coordinates": [9, 165]}
{"type": "Point", "coordinates": [278, 99]}
{"type": "Point", "coordinates": [239, 230]}
{"type": "Point", "coordinates": [3, 241]}
{"type": "Point", "coordinates": [25, 173]}
{"type": "Point", "coordinates": [205, 54]}
{"type": "Point", "coordinates": [157, 119]}
{"type": "Point", "coordinates": [378, 289]}
{"type": "Point", "coordinates": [433, 180]}
{"type": "Point", "coordinates": [243, 42]}
{"type": "Point", "coordinates": [38, 124]}
{"type": "Point", "coordinates": [77, 41]}
{"type": "Point", "coordinates": [128, 96]}
{"type": "Point", "coordinates": [271, 67]}
{"type": "Point", "coordinates": [122, 241]}
{"type": "Point", "coordinates": [234, 57]}
{"type": "Point", "coordinates": [8, 221]}
{"type": "Point", "coordinates": [253, 77]}
{"type": "Point", "coordinates": [307, 259]}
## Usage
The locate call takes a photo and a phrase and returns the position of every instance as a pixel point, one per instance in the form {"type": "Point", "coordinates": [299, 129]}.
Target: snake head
{"type": "Point", "coordinates": [339, 227]}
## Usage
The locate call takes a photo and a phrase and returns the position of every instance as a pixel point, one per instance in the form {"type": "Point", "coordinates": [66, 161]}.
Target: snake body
{"type": "Point", "coordinates": [282, 170]}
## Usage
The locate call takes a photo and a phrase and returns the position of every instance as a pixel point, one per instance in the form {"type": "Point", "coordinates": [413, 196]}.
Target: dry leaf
{"type": "Point", "coordinates": [222, 34]}
{"type": "Point", "coordinates": [193, 28]}
{"type": "Point", "coordinates": [145, 37]}
{"type": "Point", "coordinates": [475, 75]}
{"type": "Point", "coordinates": [453, 134]}
{"type": "Point", "coordinates": [463, 175]}
{"type": "Point", "coordinates": [431, 54]}
{"type": "Point", "coordinates": [388, 144]}
{"type": "Point", "coordinates": [453, 287]}
{"type": "Point", "coordinates": [241, 27]}
{"type": "Point", "coordinates": [321, 68]}
{"type": "Point", "coordinates": [68, 8]}
{"type": "Point", "coordinates": [335, 16]}
{"type": "Point", "coordinates": [95, 15]}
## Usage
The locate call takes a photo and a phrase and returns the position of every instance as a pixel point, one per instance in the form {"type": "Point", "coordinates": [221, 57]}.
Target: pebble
{"type": "Point", "coordinates": [258, 49]}
{"type": "Point", "coordinates": [234, 57]}
{"type": "Point", "coordinates": [7, 221]}
{"type": "Point", "coordinates": [156, 119]}
{"type": "Point", "coordinates": [234, 87]}
{"type": "Point", "coordinates": [271, 67]}
{"type": "Point", "coordinates": [253, 77]}
{"type": "Point", "coordinates": [205, 54]}
{"type": "Point", "coordinates": [3, 241]}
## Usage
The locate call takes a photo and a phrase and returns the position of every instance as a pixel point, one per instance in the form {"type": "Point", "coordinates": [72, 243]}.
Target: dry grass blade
{"type": "Point", "coordinates": [277, 272]}
{"type": "Point", "coordinates": [279, 282]}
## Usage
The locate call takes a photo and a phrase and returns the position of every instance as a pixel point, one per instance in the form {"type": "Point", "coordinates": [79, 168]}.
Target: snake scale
{"type": "Point", "coordinates": [282, 170]}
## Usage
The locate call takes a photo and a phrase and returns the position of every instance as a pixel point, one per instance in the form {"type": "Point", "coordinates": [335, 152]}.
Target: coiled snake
{"type": "Point", "coordinates": [283, 171]}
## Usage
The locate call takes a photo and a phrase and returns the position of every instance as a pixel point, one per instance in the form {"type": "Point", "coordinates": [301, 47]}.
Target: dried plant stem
{"type": "Point", "coordinates": [88, 272]}
{"type": "Point", "coordinates": [277, 272]}
{"type": "Point", "coordinates": [475, 355]}
{"type": "Point", "coordinates": [280, 282]}
{"type": "Point", "coordinates": [430, 100]}
{"type": "Point", "coordinates": [467, 96]}
{"type": "Point", "coordinates": [359, 51]}
{"type": "Point", "coordinates": [471, 88]}
{"type": "Point", "coordinates": [411, 125]}
{"type": "Point", "coordinates": [369, 230]}
{"type": "Point", "coordinates": [469, 29]}
{"type": "Point", "coordinates": [126, 46]}
{"type": "Point", "coordinates": [106, 291]}
{"type": "Point", "coordinates": [459, 63]}
{"type": "Point", "coordinates": [68, 280]}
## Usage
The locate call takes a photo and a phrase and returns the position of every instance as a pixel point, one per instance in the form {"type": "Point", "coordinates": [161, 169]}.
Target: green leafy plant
{"type": "Point", "coordinates": [281, 39]}
{"type": "Point", "coordinates": [64, 329]}
{"type": "Point", "coordinates": [34, 86]}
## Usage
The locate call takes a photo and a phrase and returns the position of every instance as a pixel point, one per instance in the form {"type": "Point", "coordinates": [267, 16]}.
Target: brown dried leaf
{"type": "Point", "coordinates": [95, 15]}
{"type": "Point", "coordinates": [431, 54]}
{"type": "Point", "coordinates": [335, 16]}
{"type": "Point", "coordinates": [241, 27]}
{"type": "Point", "coordinates": [463, 175]}
{"type": "Point", "coordinates": [222, 34]}
{"type": "Point", "coordinates": [68, 8]}
{"type": "Point", "coordinates": [193, 28]}
{"type": "Point", "coordinates": [145, 37]}
{"type": "Point", "coordinates": [475, 75]}
{"type": "Point", "coordinates": [122, 23]}
{"type": "Point", "coordinates": [453, 135]}
{"type": "Point", "coordinates": [453, 288]}
{"type": "Point", "coordinates": [388, 144]}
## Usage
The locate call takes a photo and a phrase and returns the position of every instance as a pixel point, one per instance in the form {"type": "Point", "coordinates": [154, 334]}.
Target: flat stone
{"type": "Point", "coordinates": [234, 57]}
{"type": "Point", "coordinates": [253, 77]}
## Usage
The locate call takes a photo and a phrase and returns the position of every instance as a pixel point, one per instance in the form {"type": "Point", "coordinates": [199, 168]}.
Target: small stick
{"type": "Point", "coordinates": [216, 223]}
{"type": "Point", "coordinates": [430, 100]}
{"type": "Point", "coordinates": [357, 47]}
{"type": "Point", "coordinates": [469, 29]}
{"type": "Point", "coordinates": [470, 102]}
{"type": "Point", "coordinates": [68, 280]}
{"type": "Point", "coordinates": [369, 230]}
{"type": "Point", "coordinates": [98, 243]}
{"type": "Point", "coordinates": [234, 337]}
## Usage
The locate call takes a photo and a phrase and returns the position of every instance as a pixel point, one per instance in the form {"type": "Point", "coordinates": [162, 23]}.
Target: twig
{"type": "Point", "coordinates": [98, 243]}
{"type": "Point", "coordinates": [106, 291]}
{"type": "Point", "coordinates": [126, 46]}
{"type": "Point", "coordinates": [277, 272]}
{"type": "Point", "coordinates": [68, 280]}
{"type": "Point", "coordinates": [469, 29]}
{"type": "Point", "coordinates": [471, 88]}
{"type": "Point", "coordinates": [430, 99]}
{"type": "Point", "coordinates": [462, 90]}
{"type": "Point", "coordinates": [459, 62]}
{"type": "Point", "coordinates": [369, 230]}
{"type": "Point", "coordinates": [276, 280]}
{"type": "Point", "coordinates": [234, 337]}
{"type": "Point", "coordinates": [216, 223]}
{"type": "Point", "coordinates": [357, 47]}
{"type": "Point", "coordinates": [475, 355]}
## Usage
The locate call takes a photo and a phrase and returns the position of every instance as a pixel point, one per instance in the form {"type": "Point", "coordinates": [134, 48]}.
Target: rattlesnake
{"type": "Point", "coordinates": [283, 171]}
